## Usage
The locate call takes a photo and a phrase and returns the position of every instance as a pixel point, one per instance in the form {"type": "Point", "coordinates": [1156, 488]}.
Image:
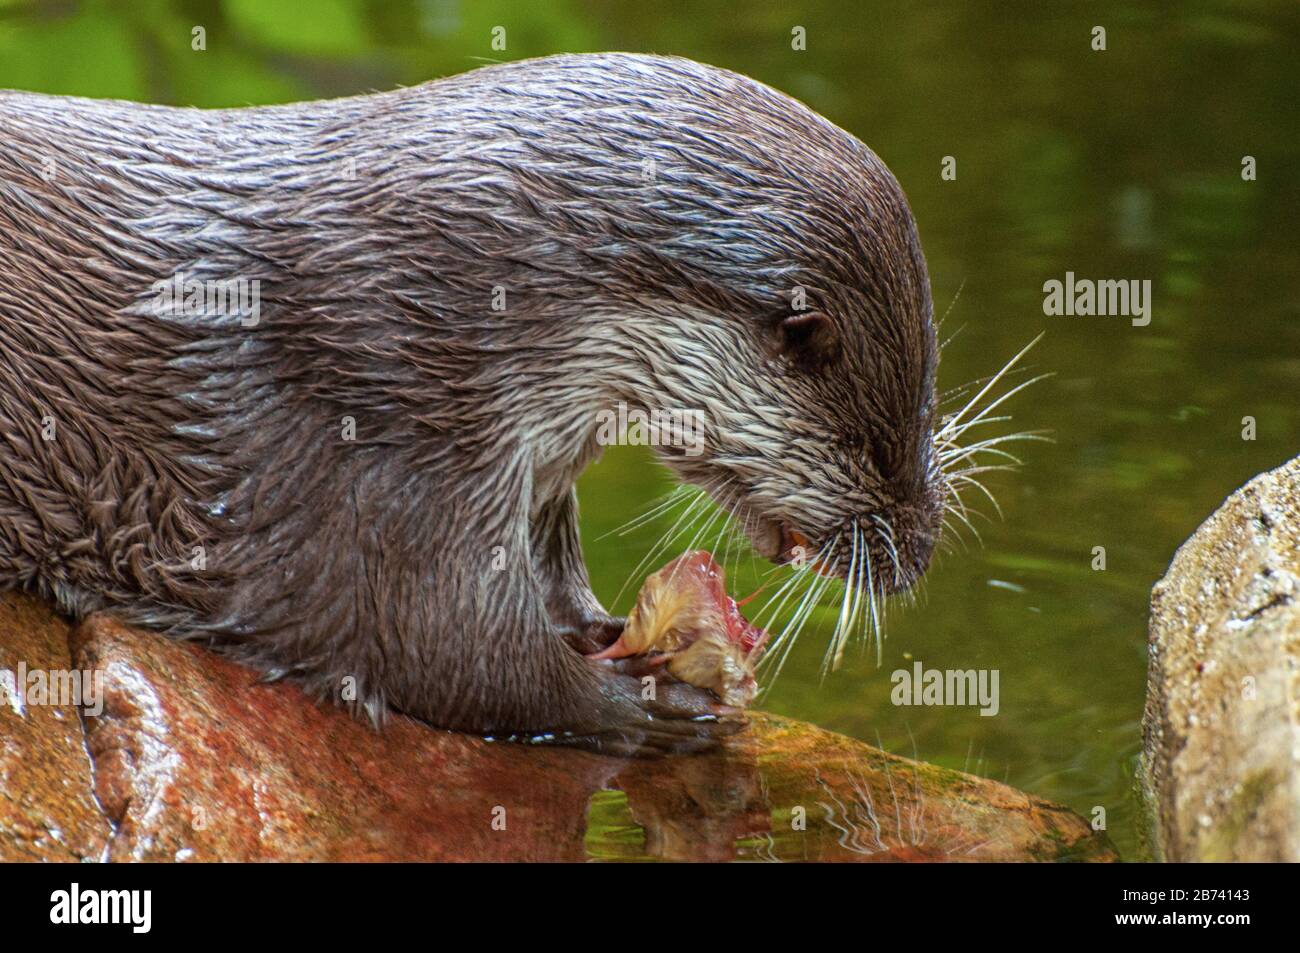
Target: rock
{"type": "Point", "coordinates": [197, 760]}
{"type": "Point", "coordinates": [47, 804]}
{"type": "Point", "coordinates": [1221, 752]}
{"type": "Point", "coordinates": [194, 760]}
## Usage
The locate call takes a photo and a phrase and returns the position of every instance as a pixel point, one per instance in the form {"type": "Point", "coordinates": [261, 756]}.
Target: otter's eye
{"type": "Point", "coordinates": [810, 338]}
{"type": "Point", "coordinates": [882, 456]}
{"type": "Point", "coordinates": [859, 446]}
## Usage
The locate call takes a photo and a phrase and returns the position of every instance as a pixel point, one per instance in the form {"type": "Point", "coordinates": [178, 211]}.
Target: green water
{"type": "Point", "coordinates": [1117, 164]}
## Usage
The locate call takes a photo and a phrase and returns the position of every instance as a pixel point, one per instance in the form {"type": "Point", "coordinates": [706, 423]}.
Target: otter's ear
{"type": "Point", "coordinates": [809, 337]}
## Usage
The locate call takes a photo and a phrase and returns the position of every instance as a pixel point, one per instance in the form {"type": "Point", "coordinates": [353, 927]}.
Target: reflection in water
{"type": "Point", "coordinates": [696, 808]}
{"type": "Point", "coordinates": [781, 792]}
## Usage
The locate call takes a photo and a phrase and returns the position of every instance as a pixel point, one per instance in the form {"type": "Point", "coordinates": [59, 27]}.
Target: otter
{"type": "Point", "coordinates": [366, 481]}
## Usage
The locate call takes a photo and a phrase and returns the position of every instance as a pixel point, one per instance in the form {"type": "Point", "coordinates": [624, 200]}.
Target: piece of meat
{"type": "Point", "coordinates": [684, 618]}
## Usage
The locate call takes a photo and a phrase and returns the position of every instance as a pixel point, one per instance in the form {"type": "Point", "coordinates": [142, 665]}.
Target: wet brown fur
{"type": "Point", "coordinates": [648, 220]}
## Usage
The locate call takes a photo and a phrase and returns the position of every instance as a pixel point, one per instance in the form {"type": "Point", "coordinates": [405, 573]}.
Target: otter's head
{"type": "Point", "coordinates": [771, 279]}
{"type": "Point", "coordinates": [819, 406]}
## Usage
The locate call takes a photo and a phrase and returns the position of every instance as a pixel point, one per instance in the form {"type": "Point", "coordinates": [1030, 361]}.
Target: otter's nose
{"type": "Point", "coordinates": [910, 536]}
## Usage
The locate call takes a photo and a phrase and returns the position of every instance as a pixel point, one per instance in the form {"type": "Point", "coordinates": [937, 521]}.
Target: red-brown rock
{"type": "Point", "coordinates": [195, 760]}
{"type": "Point", "coordinates": [47, 808]}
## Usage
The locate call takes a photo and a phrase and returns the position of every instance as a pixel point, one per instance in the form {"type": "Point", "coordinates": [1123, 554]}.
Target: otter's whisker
{"type": "Point", "coordinates": [952, 304]}
{"type": "Point", "coordinates": [961, 515]}
{"type": "Point", "coordinates": [966, 475]}
{"type": "Point", "coordinates": [659, 506]}
{"type": "Point", "coordinates": [1001, 419]}
{"type": "Point", "coordinates": [782, 645]}
{"type": "Point", "coordinates": [1002, 454]}
{"type": "Point", "coordinates": [954, 394]}
{"type": "Point", "coordinates": [886, 532]}
{"type": "Point", "coordinates": [722, 541]}
{"type": "Point", "coordinates": [956, 506]}
{"type": "Point", "coordinates": [850, 584]}
{"type": "Point", "coordinates": [688, 517]}
{"type": "Point", "coordinates": [1035, 435]}
{"type": "Point", "coordinates": [866, 562]}
{"type": "Point", "coordinates": [776, 654]}
{"type": "Point", "coordinates": [951, 423]}
{"type": "Point", "coordinates": [803, 615]}
{"type": "Point", "coordinates": [971, 481]}
{"type": "Point", "coordinates": [950, 458]}
{"type": "Point", "coordinates": [775, 648]}
{"type": "Point", "coordinates": [717, 513]}
{"type": "Point", "coordinates": [720, 515]}
{"type": "Point", "coordinates": [735, 543]}
{"type": "Point", "coordinates": [951, 427]}
{"type": "Point", "coordinates": [788, 588]}
{"type": "Point", "coordinates": [893, 553]}
{"type": "Point", "coordinates": [875, 617]}
{"type": "Point", "coordinates": [865, 595]}
{"type": "Point", "coordinates": [951, 536]}
{"type": "Point", "coordinates": [983, 489]}
{"type": "Point", "coordinates": [694, 510]}
{"type": "Point", "coordinates": [954, 454]}
{"type": "Point", "coordinates": [951, 455]}
{"type": "Point", "coordinates": [862, 603]}
{"type": "Point", "coordinates": [809, 597]}
{"type": "Point", "coordinates": [783, 594]}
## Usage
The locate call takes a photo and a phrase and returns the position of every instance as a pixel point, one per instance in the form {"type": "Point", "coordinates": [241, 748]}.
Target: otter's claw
{"type": "Point", "coordinates": [663, 716]}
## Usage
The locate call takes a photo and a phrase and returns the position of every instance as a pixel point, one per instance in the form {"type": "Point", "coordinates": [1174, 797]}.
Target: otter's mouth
{"type": "Point", "coordinates": [782, 543]}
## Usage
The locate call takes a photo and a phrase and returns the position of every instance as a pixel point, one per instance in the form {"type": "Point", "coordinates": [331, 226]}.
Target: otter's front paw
{"type": "Point", "coordinates": [645, 712]}
{"type": "Point", "coordinates": [592, 635]}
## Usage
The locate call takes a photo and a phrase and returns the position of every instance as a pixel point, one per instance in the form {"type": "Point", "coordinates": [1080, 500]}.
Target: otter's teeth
{"type": "Point", "coordinates": [793, 545]}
